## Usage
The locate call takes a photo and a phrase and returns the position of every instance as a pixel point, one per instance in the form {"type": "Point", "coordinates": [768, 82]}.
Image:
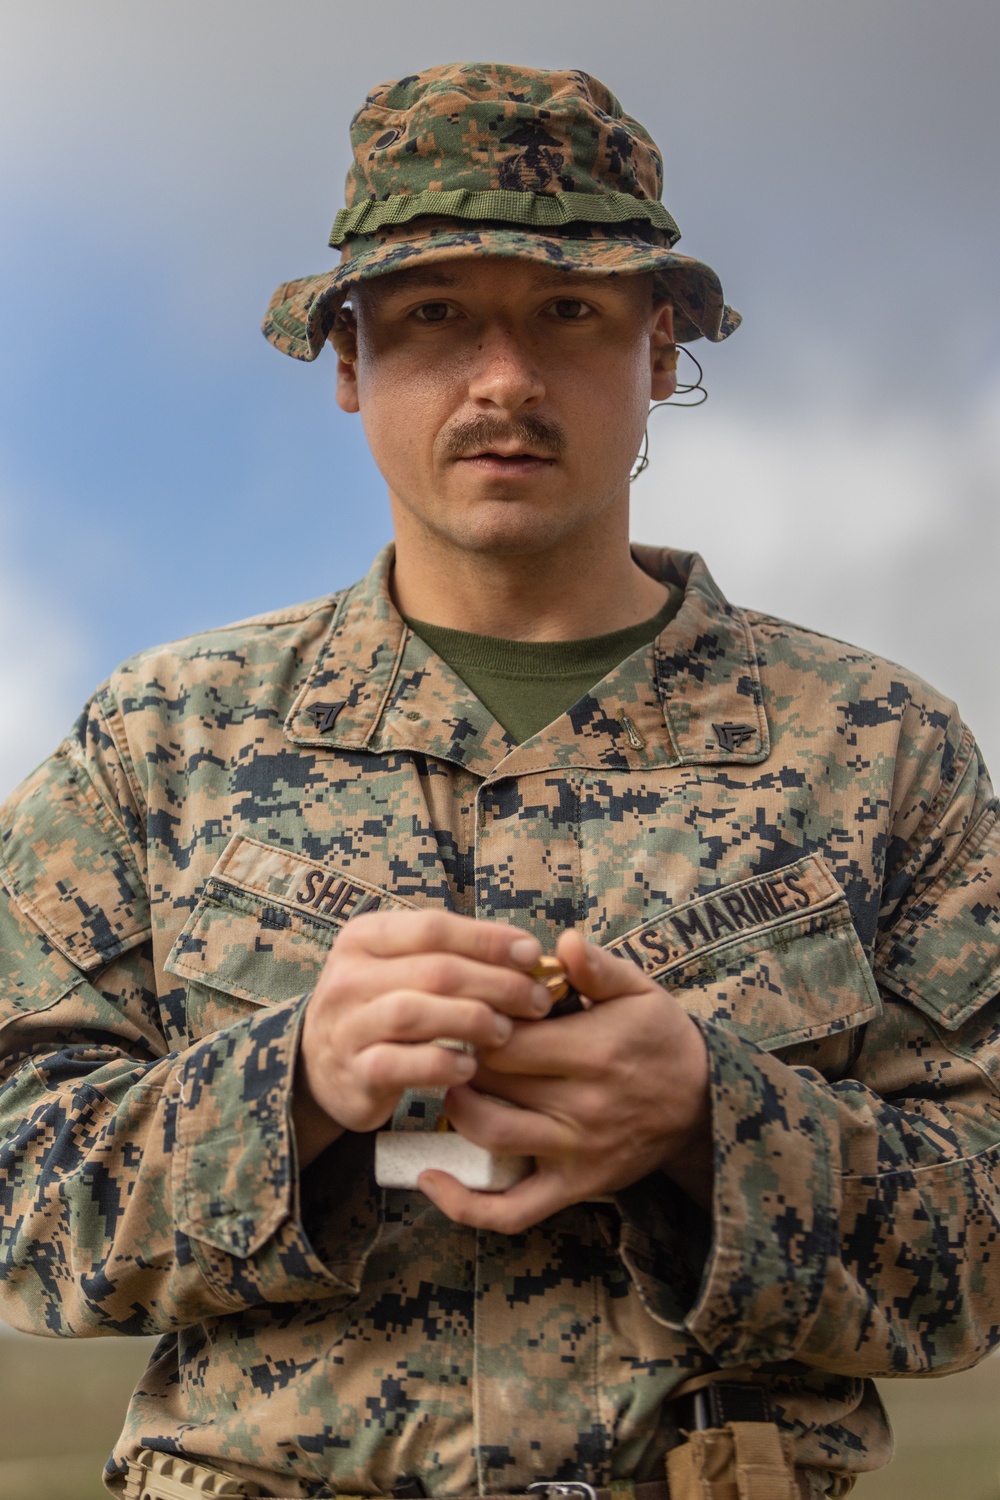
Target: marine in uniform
{"type": "Point", "coordinates": [275, 864]}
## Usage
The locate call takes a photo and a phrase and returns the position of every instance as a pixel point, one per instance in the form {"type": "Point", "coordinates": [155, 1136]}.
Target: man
{"type": "Point", "coordinates": [276, 866]}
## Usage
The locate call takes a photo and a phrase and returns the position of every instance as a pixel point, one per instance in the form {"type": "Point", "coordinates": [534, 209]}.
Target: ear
{"type": "Point", "coordinates": [344, 338]}
{"type": "Point", "coordinates": [347, 386]}
{"type": "Point", "coordinates": [662, 353]}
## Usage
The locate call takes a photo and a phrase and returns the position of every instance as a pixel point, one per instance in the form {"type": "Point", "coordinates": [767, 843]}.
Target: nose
{"type": "Point", "coordinates": [505, 375]}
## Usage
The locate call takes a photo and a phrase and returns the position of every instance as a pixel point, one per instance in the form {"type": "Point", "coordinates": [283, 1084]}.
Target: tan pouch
{"type": "Point", "coordinates": [741, 1461]}
{"type": "Point", "coordinates": [162, 1476]}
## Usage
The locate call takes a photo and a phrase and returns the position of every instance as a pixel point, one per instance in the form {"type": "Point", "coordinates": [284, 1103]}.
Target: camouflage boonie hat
{"type": "Point", "coordinates": [486, 159]}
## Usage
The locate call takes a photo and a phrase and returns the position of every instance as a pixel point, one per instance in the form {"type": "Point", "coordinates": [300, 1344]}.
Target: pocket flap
{"type": "Point", "coordinates": [775, 957]}
{"type": "Point", "coordinates": [266, 920]}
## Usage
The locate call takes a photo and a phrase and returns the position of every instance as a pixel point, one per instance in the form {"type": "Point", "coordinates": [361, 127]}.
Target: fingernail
{"type": "Point", "coordinates": [541, 1000]}
{"type": "Point", "coordinates": [526, 951]}
{"type": "Point", "coordinates": [465, 1063]}
{"type": "Point", "coordinates": [502, 1028]}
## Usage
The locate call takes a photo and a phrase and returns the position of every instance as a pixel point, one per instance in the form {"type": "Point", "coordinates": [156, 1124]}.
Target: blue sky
{"type": "Point", "coordinates": [164, 165]}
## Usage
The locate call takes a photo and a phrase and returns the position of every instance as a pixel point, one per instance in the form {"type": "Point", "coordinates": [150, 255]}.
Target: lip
{"type": "Point", "coordinates": [495, 462]}
{"type": "Point", "coordinates": [509, 449]}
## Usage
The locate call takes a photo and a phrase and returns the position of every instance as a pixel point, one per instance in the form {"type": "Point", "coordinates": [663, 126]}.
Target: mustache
{"type": "Point", "coordinates": [479, 434]}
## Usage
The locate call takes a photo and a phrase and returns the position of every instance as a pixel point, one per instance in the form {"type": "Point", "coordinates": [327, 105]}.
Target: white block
{"type": "Point", "coordinates": [401, 1155]}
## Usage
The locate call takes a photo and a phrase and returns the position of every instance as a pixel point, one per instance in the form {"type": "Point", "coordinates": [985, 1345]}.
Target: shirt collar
{"type": "Point", "coordinates": [693, 696]}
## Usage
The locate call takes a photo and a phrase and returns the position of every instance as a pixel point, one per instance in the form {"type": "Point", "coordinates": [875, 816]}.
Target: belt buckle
{"type": "Point", "coordinates": [563, 1489]}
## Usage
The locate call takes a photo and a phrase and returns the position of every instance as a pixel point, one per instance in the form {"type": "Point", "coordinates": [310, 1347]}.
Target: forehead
{"type": "Point", "coordinates": [485, 274]}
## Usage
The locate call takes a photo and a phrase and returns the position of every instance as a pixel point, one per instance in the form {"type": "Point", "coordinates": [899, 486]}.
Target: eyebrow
{"type": "Point", "coordinates": [406, 279]}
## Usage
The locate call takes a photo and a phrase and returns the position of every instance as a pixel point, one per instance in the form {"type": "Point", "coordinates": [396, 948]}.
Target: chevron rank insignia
{"type": "Point", "coordinates": [324, 714]}
{"type": "Point", "coordinates": [732, 736]}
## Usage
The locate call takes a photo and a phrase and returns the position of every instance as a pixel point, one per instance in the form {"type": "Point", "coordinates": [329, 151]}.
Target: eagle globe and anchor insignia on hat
{"type": "Point", "coordinates": [486, 159]}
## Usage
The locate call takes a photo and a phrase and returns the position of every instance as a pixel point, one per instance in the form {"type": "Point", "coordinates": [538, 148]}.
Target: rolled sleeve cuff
{"type": "Point", "coordinates": [775, 1211]}
{"type": "Point", "coordinates": [235, 1175]}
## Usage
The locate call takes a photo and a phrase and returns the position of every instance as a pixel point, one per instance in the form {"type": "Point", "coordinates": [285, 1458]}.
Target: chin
{"type": "Point", "coordinates": [517, 527]}
{"type": "Point", "coordinates": [511, 536]}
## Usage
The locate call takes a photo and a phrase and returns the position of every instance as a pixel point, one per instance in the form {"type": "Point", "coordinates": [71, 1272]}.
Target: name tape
{"type": "Point", "coordinates": [333, 896]}
{"type": "Point", "coordinates": [723, 915]}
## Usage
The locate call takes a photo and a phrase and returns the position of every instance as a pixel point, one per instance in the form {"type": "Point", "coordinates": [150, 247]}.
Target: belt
{"type": "Point", "coordinates": [551, 1489]}
{"type": "Point", "coordinates": [161, 1476]}
{"type": "Point", "coordinates": [718, 1402]}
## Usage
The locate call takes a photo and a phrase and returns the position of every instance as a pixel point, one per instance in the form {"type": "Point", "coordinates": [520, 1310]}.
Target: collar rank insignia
{"type": "Point", "coordinates": [732, 736]}
{"type": "Point", "coordinates": [324, 714]}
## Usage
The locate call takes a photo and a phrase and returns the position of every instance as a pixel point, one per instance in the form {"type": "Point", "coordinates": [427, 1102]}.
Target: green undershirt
{"type": "Point", "coordinates": [527, 684]}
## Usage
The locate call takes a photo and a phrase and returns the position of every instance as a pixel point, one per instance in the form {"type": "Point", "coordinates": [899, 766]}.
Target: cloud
{"type": "Point", "coordinates": [884, 532]}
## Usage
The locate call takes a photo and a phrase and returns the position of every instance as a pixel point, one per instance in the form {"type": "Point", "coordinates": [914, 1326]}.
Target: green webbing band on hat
{"type": "Point", "coordinates": [539, 210]}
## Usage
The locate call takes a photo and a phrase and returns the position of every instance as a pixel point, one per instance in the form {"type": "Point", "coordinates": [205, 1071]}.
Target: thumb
{"type": "Point", "coordinates": [597, 974]}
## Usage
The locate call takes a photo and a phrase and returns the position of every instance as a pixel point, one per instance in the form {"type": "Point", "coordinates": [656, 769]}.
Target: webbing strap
{"type": "Point", "coordinates": [741, 1461]}
{"type": "Point", "coordinates": [763, 1467]}
{"type": "Point", "coordinates": [502, 205]}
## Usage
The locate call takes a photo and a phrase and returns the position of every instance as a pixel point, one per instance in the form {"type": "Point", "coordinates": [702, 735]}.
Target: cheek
{"type": "Point", "coordinates": [612, 400]}
{"type": "Point", "coordinates": [400, 412]}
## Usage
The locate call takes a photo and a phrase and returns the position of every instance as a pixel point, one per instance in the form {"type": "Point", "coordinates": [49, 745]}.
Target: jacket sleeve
{"type": "Point", "coordinates": [142, 1187]}
{"type": "Point", "coordinates": [855, 1224]}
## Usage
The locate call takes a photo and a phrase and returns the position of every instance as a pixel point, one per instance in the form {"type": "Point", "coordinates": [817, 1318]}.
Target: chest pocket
{"type": "Point", "coordinates": [775, 958]}
{"type": "Point", "coordinates": [262, 929]}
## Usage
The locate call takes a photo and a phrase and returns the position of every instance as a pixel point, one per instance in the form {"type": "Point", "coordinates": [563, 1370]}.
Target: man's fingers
{"type": "Point", "coordinates": [596, 973]}
{"type": "Point", "coordinates": [580, 1103]}
{"type": "Point", "coordinates": [393, 985]}
{"type": "Point", "coordinates": [508, 1130]}
{"type": "Point", "coordinates": [387, 934]}
{"type": "Point", "coordinates": [510, 990]}
{"type": "Point", "coordinates": [412, 1016]}
{"type": "Point", "coordinates": [388, 1068]}
{"type": "Point", "coordinates": [569, 1046]}
{"type": "Point", "coordinates": [535, 1198]}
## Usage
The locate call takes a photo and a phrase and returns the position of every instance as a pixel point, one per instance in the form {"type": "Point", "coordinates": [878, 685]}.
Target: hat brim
{"type": "Point", "coordinates": [302, 313]}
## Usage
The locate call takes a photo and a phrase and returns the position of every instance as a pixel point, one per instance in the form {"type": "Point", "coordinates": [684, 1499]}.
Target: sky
{"type": "Point", "coordinates": [164, 165]}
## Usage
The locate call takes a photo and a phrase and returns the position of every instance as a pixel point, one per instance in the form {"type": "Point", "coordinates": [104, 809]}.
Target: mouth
{"type": "Point", "coordinates": [500, 449]}
{"type": "Point", "coordinates": [509, 461]}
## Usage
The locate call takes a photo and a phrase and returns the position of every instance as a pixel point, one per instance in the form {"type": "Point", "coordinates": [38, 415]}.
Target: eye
{"type": "Point", "coordinates": [433, 312]}
{"type": "Point", "coordinates": [570, 310]}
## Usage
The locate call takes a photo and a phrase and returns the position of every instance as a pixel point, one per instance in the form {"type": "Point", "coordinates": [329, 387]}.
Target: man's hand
{"type": "Point", "coordinates": [393, 982]}
{"type": "Point", "coordinates": [606, 1096]}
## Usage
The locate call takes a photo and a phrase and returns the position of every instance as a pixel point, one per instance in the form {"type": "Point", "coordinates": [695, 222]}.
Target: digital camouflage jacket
{"type": "Point", "coordinates": [794, 837]}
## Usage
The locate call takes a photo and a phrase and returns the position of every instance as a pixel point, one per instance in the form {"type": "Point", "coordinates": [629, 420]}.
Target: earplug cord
{"type": "Point", "coordinates": [697, 390]}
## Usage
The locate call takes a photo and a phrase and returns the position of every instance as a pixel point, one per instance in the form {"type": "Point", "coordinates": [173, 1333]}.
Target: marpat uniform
{"type": "Point", "coordinates": [795, 838]}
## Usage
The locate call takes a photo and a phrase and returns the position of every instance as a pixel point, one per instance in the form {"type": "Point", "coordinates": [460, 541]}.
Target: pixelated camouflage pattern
{"type": "Point", "coordinates": [486, 159]}
{"type": "Point", "coordinates": [488, 126]}
{"type": "Point", "coordinates": [796, 838]}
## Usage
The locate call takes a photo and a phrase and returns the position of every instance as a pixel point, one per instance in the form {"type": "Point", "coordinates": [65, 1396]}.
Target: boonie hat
{"type": "Point", "coordinates": [487, 159]}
